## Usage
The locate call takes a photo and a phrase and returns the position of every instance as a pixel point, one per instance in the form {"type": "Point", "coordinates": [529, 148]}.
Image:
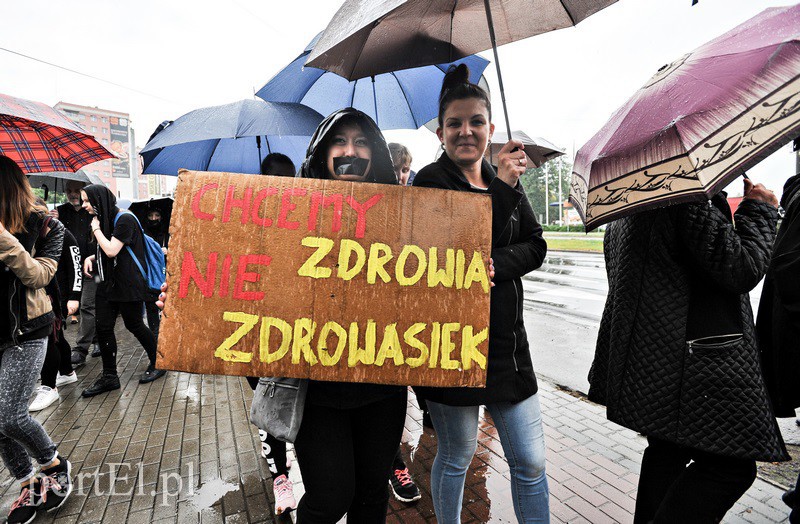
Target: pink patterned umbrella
{"type": "Point", "coordinates": [42, 139]}
{"type": "Point", "coordinates": [697, 124]}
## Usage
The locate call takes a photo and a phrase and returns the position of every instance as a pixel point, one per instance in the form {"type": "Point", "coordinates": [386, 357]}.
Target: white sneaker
{"type": "Point", "coordinates": [62, 380]}
{"type": "Point", "coordinates": [44, 397]}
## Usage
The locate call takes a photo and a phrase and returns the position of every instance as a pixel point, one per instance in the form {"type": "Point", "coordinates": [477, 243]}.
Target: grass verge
{"type": "Point", "coordinates": [586, 245]}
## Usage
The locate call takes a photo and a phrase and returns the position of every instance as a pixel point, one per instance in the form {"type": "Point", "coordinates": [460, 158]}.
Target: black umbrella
{"type": "Point", "coordinates": [370, 37]}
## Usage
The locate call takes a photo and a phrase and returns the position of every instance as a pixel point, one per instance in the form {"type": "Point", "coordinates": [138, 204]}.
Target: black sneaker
{"type": "Point", "coordinates": [78, 358]}
{"type": "Point", "coordinates": [151, 374]}
{"type": "Point", "coordinates": [23, 510]}
{"type": "Point", "coordinates": [101, 385]}
{"type": "Point", "coordinates": [403, 486]}
{"type": "Point", "coordinates": [96, 351]}
{"type": "Point", "coordinates": [56, 485]}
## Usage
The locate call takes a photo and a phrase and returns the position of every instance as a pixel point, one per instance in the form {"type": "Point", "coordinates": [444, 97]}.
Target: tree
{"type": "Point", "coordinates": [533, 181]}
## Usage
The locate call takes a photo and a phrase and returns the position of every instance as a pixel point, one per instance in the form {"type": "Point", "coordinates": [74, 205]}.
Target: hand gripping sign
{"type": "Point", "coordinates": [329, 280]}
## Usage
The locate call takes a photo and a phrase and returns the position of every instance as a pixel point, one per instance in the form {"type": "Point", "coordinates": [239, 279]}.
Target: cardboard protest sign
{"type": "Point", "coordinates": [330, 280]}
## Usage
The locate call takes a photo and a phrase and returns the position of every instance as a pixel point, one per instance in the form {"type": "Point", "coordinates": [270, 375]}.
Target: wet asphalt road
{"type": "Point", "coordinates": [564, 302]}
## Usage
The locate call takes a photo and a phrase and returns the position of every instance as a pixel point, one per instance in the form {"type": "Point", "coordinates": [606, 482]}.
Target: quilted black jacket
{"type": "Point", "coordinates": [661, 264]}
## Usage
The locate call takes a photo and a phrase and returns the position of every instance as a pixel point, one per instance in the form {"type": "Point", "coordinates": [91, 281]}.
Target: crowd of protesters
{"type": "Point", "coordinates": [677, 357]}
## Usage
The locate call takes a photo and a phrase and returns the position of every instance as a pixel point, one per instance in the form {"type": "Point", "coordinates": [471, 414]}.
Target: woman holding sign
{"type": "Point", "coordinates": [350, 432]}
{"type": "Point", "coordinates": [122, 289]}
{"type": "Point", "coordinates": [465, 130]}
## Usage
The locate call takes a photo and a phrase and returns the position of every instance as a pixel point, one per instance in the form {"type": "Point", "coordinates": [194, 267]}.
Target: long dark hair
{"type": "Point", "coordinates": [17, 200]}
{"type": "Point", "coordinates": [456, 86]}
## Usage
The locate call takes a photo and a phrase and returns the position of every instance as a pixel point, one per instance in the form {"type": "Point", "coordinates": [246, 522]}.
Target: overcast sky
{"type": "Point", "coordinates": [177, 55]}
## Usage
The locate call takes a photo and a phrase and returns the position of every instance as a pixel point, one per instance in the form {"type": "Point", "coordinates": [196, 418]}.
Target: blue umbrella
{"type": "Point", "coordinates": [232, 137]}
{"type": "Point", "coordinates": [399, 100]}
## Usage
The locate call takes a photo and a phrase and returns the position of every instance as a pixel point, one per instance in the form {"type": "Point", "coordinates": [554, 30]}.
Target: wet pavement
{"type": "Point", "coordinates": [182, 450]}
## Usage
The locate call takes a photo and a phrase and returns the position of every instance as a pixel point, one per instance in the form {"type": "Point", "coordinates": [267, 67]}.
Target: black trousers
{"type": "Point", "coordinates": [345, 458]}
{"type": "Point", "coordinates": [153, 317]}
{"type": "Point", "coordinates": [58, 358]}
{"type": "Point", "coordinates": [672, 490]}
{"type": "Point", "coordinates": [106, 313]}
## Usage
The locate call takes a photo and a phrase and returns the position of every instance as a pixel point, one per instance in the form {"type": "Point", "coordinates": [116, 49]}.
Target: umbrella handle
{"type": "Point", "coordinates": [497, 64]}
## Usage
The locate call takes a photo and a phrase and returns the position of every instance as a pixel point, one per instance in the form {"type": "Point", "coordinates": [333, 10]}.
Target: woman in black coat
{"type": "Point", "coordinates": [122, 289]}
{"type": "Point", "coordinates": [510, 395]}
{"type": "Point", "coordinates": [676, 356]}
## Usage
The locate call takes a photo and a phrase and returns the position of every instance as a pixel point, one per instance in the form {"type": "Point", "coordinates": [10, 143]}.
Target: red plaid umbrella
{"type": "Point", "coordinates": [40, 138]}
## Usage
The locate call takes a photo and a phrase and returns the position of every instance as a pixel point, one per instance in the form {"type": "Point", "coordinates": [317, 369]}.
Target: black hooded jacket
{"type": "Point", "coordinates": [778, 325]}
{"type": "Point", "coordinates": [343, 395]}
{"type": "Point", "coordinates": [315, 164]}
{"type": "Point", "coordinates": [121, 279]}
{"type": "Point", "coordinates": [517, 249]}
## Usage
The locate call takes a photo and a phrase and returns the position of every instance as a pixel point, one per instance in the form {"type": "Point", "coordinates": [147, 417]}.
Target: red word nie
{"type": "Point", "coordinates": [208, 282]}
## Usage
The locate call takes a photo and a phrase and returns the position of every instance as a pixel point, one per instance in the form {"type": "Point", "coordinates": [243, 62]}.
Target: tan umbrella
{"type": "Point", "coordinates": [538, 150]}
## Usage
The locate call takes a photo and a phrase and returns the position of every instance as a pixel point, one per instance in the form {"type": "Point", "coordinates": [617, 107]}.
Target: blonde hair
{"type": "Point", "coordinates": [399, 153]}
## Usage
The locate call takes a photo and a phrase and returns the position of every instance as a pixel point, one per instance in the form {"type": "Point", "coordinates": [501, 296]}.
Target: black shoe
{"type": "Point", "coordinates": [101, 385]}
{"type": "Point", "coordinates": [403, 486]}
{"type": "Point", "coordinates": [96, 351]}
{"type": "Point", "coordinates": [56, 485]}
{"type": "Point", "coordinates": [24, 508]}
{"type": "Point", "coordinates": [151, 375]}
{"type": "Point", "coordinates": [78, 358]}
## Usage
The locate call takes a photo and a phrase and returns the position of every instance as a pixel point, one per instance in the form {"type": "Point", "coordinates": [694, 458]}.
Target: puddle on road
{"type": "Point", "coordinates": [210, 492]}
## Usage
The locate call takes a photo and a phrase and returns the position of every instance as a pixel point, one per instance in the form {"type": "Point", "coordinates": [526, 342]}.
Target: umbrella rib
{"type": "Point", "coordinates": [571, 19]}
{"type": "Point", "coordinates": [405, 97]}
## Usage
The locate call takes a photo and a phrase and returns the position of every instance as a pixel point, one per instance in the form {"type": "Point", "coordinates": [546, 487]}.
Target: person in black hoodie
{"type": "Point", "coordinates": [510, 395]}
{"type": "Point", "coordinates": [79, 223]}
{"type": "Point", "coordinates": [350, 432]}
{"type": "Point", "coordinates": [156, 229]}
{"type": "Point", "coordinates": [778, 324]}
{"type": "Point", "coordinates": [65, 294]}
{"type": "Point", "coordinates": [122, 289]}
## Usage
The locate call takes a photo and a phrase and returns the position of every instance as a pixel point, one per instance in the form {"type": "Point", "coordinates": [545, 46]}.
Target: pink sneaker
{"type": "Point", "coordinates": [284, 495]}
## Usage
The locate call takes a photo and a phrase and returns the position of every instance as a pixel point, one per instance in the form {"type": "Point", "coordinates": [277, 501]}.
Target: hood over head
{"type": "Point", "coordinates": [105, 206]}
{"type": "Point", "coordinates": [315, 164]}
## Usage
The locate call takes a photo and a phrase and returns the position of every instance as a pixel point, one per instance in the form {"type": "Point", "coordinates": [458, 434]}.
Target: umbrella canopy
{"type": "Point", "coordinates": [40, 138]}
{"type": "Point", "coordinates": [143, 206]}
{"type": "Point", "coordinates": [51, 178]}
{"type": "Point", "coordinates": [700, 122]}
{"type": "Point", "coordinates": [369, 37]}
{"type": "Point", "coordinates": [538, 150]}
{"type": "Point", "coordinates": [232, 137]}
{"type": "Point", "coordinates": [398, 100]}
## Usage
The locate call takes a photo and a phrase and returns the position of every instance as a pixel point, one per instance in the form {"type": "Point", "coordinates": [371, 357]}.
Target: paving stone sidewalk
{"type": "Point", "coordinates": [182, 450]}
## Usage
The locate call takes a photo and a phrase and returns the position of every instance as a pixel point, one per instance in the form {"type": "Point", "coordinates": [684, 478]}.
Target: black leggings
{"type": "Point", "coordinates": [272, 449]}
{"type": "Point", "coordinates": [345, 458]}
{"type": "Point", "coordinates": [58, 359]}
{"type": "Point", "coordinates": [700, 492]}
{"type": "Point", "coordinates": [106, 312]}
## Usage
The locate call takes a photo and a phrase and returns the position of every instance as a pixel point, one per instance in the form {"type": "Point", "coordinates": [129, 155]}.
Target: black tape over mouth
{"type": "Point", "coordinates": [350, 165]}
